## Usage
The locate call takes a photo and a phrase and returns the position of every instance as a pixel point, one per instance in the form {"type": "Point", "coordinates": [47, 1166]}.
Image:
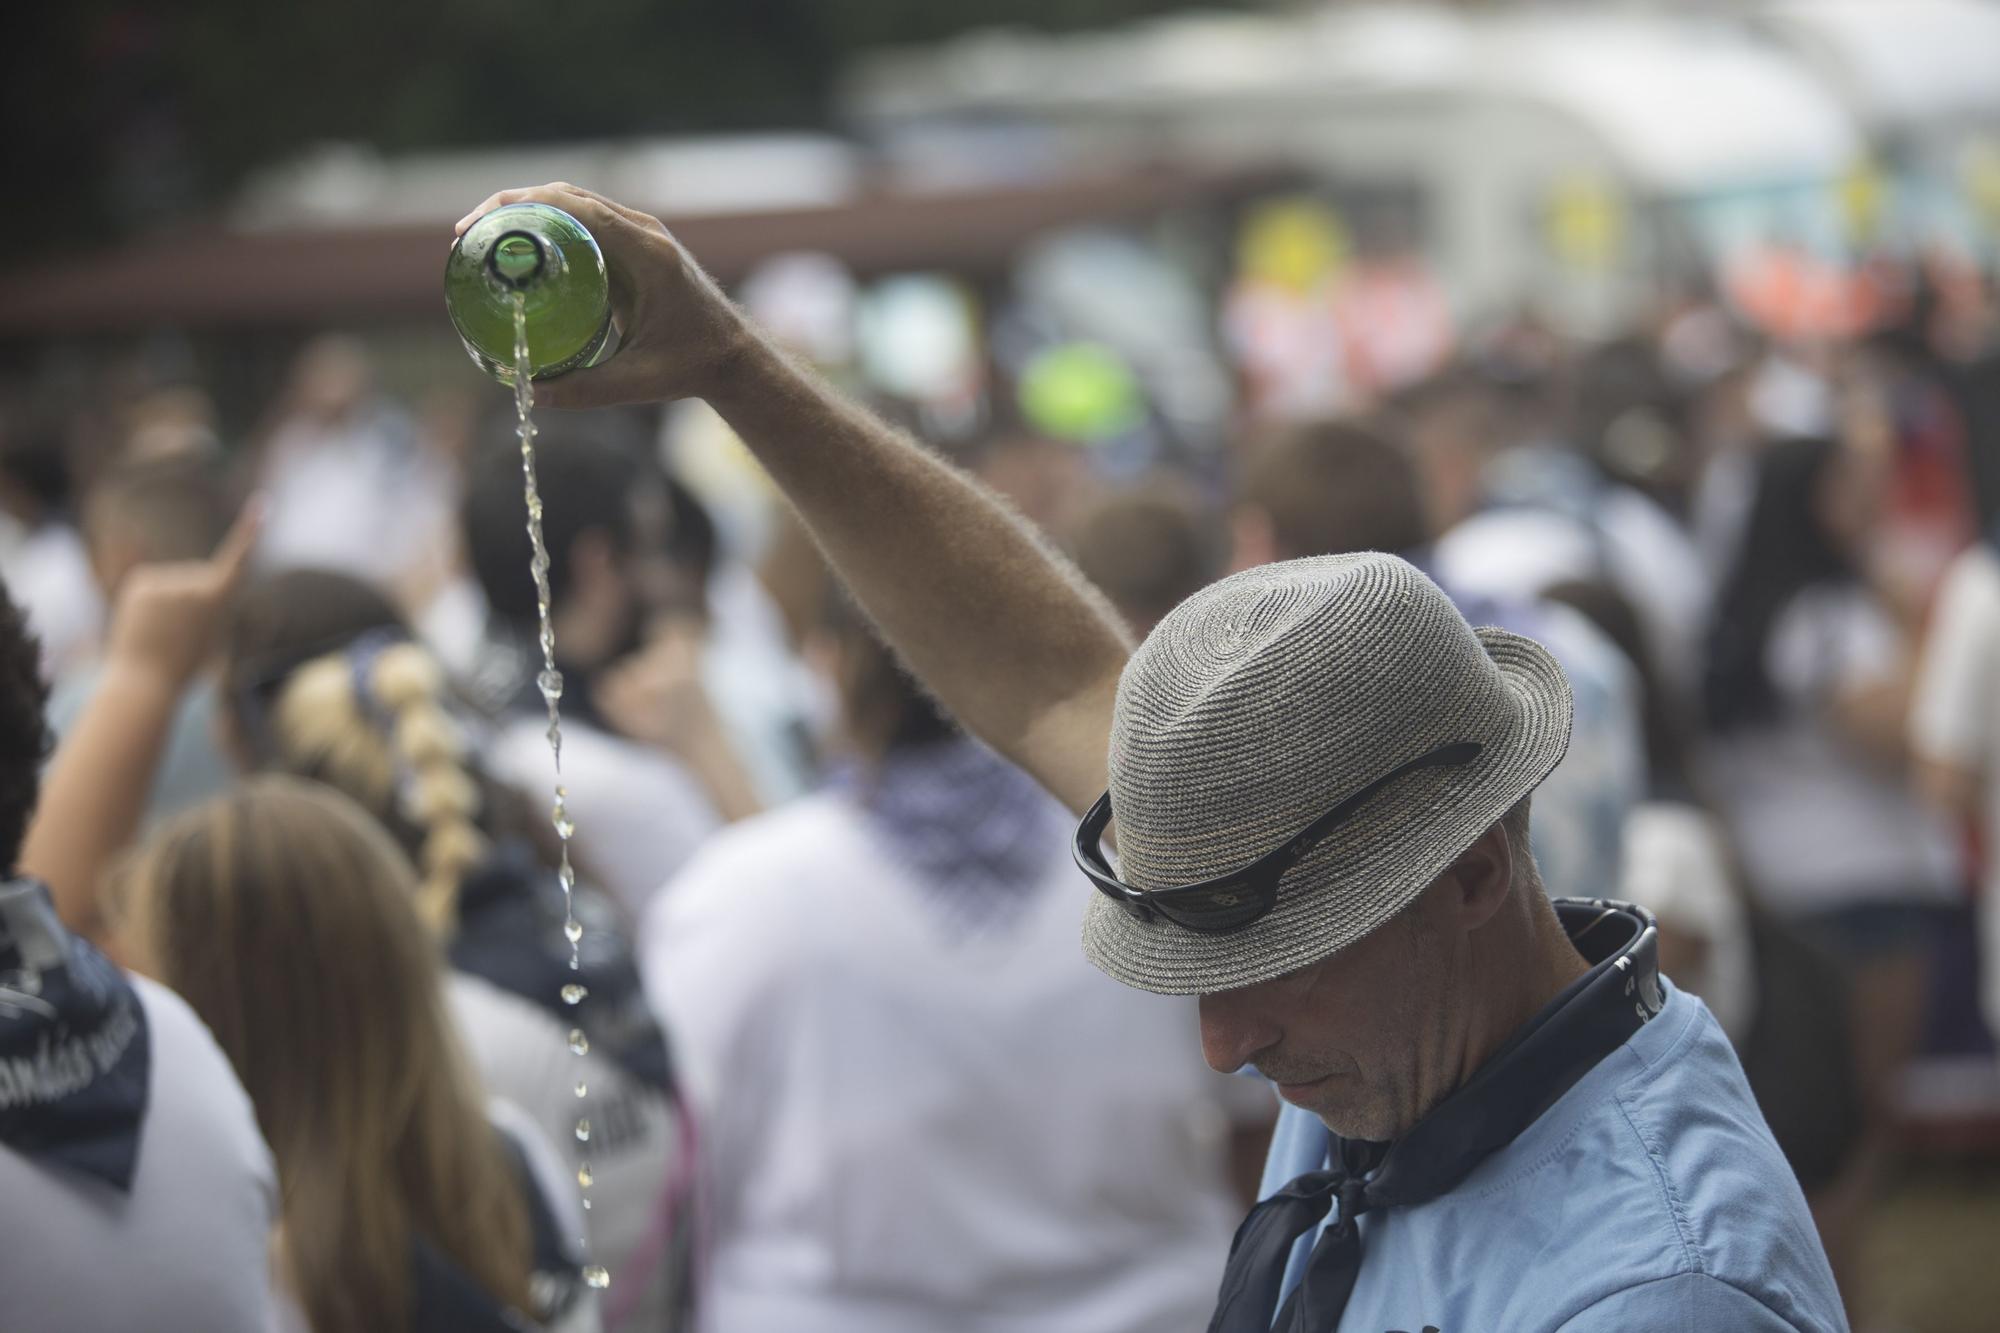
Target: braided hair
{"type": "Point", "coordinates": [373, 720]}
{"type": "Point", "coordinates": [323, 681]}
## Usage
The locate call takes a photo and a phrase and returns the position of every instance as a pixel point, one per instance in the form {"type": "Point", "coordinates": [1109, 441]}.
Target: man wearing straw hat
{"type": "Point", "coordinates": [1319, 776]}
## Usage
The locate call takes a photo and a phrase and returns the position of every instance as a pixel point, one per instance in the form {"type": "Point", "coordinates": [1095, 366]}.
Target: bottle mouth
{"type": "Point", "coordinates": [517, 259]}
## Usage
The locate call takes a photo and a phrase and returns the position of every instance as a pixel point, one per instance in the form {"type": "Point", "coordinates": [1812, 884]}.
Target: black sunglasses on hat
{"type": "Point", "coordinates": [1232, 901]}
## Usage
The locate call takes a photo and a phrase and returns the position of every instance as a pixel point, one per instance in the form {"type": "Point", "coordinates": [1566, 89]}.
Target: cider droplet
{"type": "Point", "coordinates": [573, 993]}
{"type": "Point", "coordinates": [594, 1276]}
{"type": "Point", "coordinates": [573, 930]}
{"type": "Point", "coordinates": [578, 1043]}
{"type": "Point", "coordinates": [583, 1130]}
{"type": "Point", "coordinates": [584, 1177]}
{"type": "Point", "coordinates": [582, 1088]}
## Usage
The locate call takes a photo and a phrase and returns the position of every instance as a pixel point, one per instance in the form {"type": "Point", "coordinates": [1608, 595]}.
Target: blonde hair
{"type": "Point", "coordinates": [380, 732]}
{"type": "Point", "coordinates": [282, 913]}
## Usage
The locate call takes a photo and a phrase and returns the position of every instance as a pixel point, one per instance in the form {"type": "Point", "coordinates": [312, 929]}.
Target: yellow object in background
{"type": "Point", "coordinates": [1296, 243]}
{"type": "Point", "coordinates": [1586, 221]}
{"type": "Point", "coordinates": [1863, 194]}
{"type": "Point", "coordinates": [1981, 169]}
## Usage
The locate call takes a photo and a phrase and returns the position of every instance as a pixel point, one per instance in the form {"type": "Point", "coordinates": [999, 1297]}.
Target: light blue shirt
{"type": "Point", "coordinates": [1650, 1197]}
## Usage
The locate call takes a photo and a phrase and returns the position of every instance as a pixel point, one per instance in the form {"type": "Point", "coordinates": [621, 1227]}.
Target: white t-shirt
{"type": "Point", "coordinates": [1630, 542]}
{"type": "Point", "coordinates": [771, 701]}
{"type": "Point", "coordinates": [1819, 824]}
{"type": "Point", "coordinates": [453, 624]}
{"type": "Point", "coordinates": [522, 1055]}
{"type": "Point", "coordinates": [187, 1249]}
{"type": "Point", "coordinates": [46, 571]}
{"type": "Point", "coordinates": [1955, 717]}
{"type": "Point", "coordinates": [555, 1179]}
{"type": "Point", "coordinates": [363, 496]}
{"type": "Point", "coordinates": [639, 813]}
{"type": "Point", "coordinates": [1677, 866]}
{"type": "Point", "coordinates": [908, 1130]}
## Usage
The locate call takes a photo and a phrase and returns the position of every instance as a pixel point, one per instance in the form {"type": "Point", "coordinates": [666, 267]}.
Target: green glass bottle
{"type": "Point", "coordinates": [550, 260]}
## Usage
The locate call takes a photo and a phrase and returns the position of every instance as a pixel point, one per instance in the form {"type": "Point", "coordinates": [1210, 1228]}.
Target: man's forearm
{"type": "Point", "coordinates": [1012, 639]}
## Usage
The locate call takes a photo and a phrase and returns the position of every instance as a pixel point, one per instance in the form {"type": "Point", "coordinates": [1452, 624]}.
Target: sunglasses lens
{"type": "Point", "coordinates": [1224, 907]}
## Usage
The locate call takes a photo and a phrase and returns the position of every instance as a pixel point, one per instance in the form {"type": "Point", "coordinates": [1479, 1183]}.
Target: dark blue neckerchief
{"type": "Point", "coordinates": [972, 830]}
{"type": "Point", "coordinates": [510, 914]}
{"type": "Point", "coordinates": [75, 1051]}
{"type": "Point", "coordinates": [445, 1299]}
{"type": "Point", "coordinates": [1591, 1018]}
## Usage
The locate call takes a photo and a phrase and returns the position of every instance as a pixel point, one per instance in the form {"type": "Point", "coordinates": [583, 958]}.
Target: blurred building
{"type": "Point", "coordinates": [1577, 158]}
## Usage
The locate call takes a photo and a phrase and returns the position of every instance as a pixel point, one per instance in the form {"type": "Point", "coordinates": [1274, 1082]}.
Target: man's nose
{"type": "Point", "coordinates": [1235, 1029]}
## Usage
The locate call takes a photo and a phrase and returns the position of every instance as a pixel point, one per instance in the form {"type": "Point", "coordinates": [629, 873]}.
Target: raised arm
{"type": "Point", "coordinates": [1007, 634]}
{"type": "Point", "coordinates": [163, 631]}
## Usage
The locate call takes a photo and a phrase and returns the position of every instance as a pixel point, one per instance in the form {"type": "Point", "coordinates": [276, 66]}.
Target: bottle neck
{"type": "Point", "coordinates": [519, 260]}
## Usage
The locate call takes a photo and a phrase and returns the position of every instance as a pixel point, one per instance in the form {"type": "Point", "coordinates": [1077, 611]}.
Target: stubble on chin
{"type": "Point", "coordinates": [1369, 1124]}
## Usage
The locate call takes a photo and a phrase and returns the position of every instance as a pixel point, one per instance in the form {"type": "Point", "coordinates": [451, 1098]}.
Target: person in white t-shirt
{"type": "Point", "coordinates": [286, 918]}
{"type": "Point", "coordinates": [183, 1247]}
{"type": "Point", "coordinates": [640, 811]}
{"type": "Point", "coordinates": [153, 510]}
{"type": "Point", "coordinates": [323, 680]}
{"type": "Point", "coordinates": [1806, 697]}
{"type": "Point", "coordinates": [287, 921]}
{"type": "Point", "coordinates": [351, 482]}
{"type": "Point", "coordinates": [925, 1110]}
{"type": "Point", "coordinates": [1523, 496]}
{"type": "Point", "coordinates": [1955, 728]}
{"type": "Point", "coordinates": [135, 1188]}
{"type": "Point", "coordinates": [42, 555]}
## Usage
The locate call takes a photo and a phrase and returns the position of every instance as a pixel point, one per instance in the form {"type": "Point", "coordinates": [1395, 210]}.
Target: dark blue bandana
{"type": "Point", "coordinates": [1591, 1018]}
{"type": "Point", "coordinates": [75, 1057]}
{"type": "Point", "coordinates": [447, 1299]}
{"type": "Point", "coordinates": [510, 913]}
{"type": "Point", "coordinates": [972, 829]}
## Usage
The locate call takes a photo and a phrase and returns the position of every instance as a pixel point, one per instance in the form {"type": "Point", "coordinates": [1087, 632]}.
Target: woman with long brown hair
{"type": "Point", "coordinates": [321, 679]}
{"type": "Point", "coordinates": [285, 917]}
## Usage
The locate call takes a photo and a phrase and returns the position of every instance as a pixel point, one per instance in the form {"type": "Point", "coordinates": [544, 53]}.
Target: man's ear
{"type": "Point", "coordinates": [1480, 879]}
{"type": "Point", "coordinates": [1252, 541]}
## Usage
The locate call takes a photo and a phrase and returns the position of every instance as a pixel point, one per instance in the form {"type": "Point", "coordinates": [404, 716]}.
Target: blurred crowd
{"type": "Point", "coordinates": [845, 1065]}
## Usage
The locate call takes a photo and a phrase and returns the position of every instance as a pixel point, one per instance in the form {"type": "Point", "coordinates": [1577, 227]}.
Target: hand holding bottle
{"type": "Point", "coordinates": [678, 331]}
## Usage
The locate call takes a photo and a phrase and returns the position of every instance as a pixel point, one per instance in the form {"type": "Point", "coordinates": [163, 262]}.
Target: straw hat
{"type": "Point", "coordinates": [1260, 703]}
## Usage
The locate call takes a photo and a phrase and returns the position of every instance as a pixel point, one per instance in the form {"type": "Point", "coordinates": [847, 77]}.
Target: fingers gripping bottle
{"type": "Point", "coordinates": [550, 262]}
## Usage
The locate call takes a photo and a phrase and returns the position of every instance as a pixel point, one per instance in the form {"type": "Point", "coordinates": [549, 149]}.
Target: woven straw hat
{"type": "Point", "coordinates": [1264, 700]}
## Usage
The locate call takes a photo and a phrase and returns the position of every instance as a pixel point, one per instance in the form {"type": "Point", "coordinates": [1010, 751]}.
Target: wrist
{"type": "Point", "coordinates": [142, 679]}
{"type": "Point", "coordinates": [743, 361]}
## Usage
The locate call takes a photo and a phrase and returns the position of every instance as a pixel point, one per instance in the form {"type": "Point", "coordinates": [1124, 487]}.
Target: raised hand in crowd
{"type": "Point", "coordinates": [164, 629]}
{"type": "Point", "coordinates": [656, 696]}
